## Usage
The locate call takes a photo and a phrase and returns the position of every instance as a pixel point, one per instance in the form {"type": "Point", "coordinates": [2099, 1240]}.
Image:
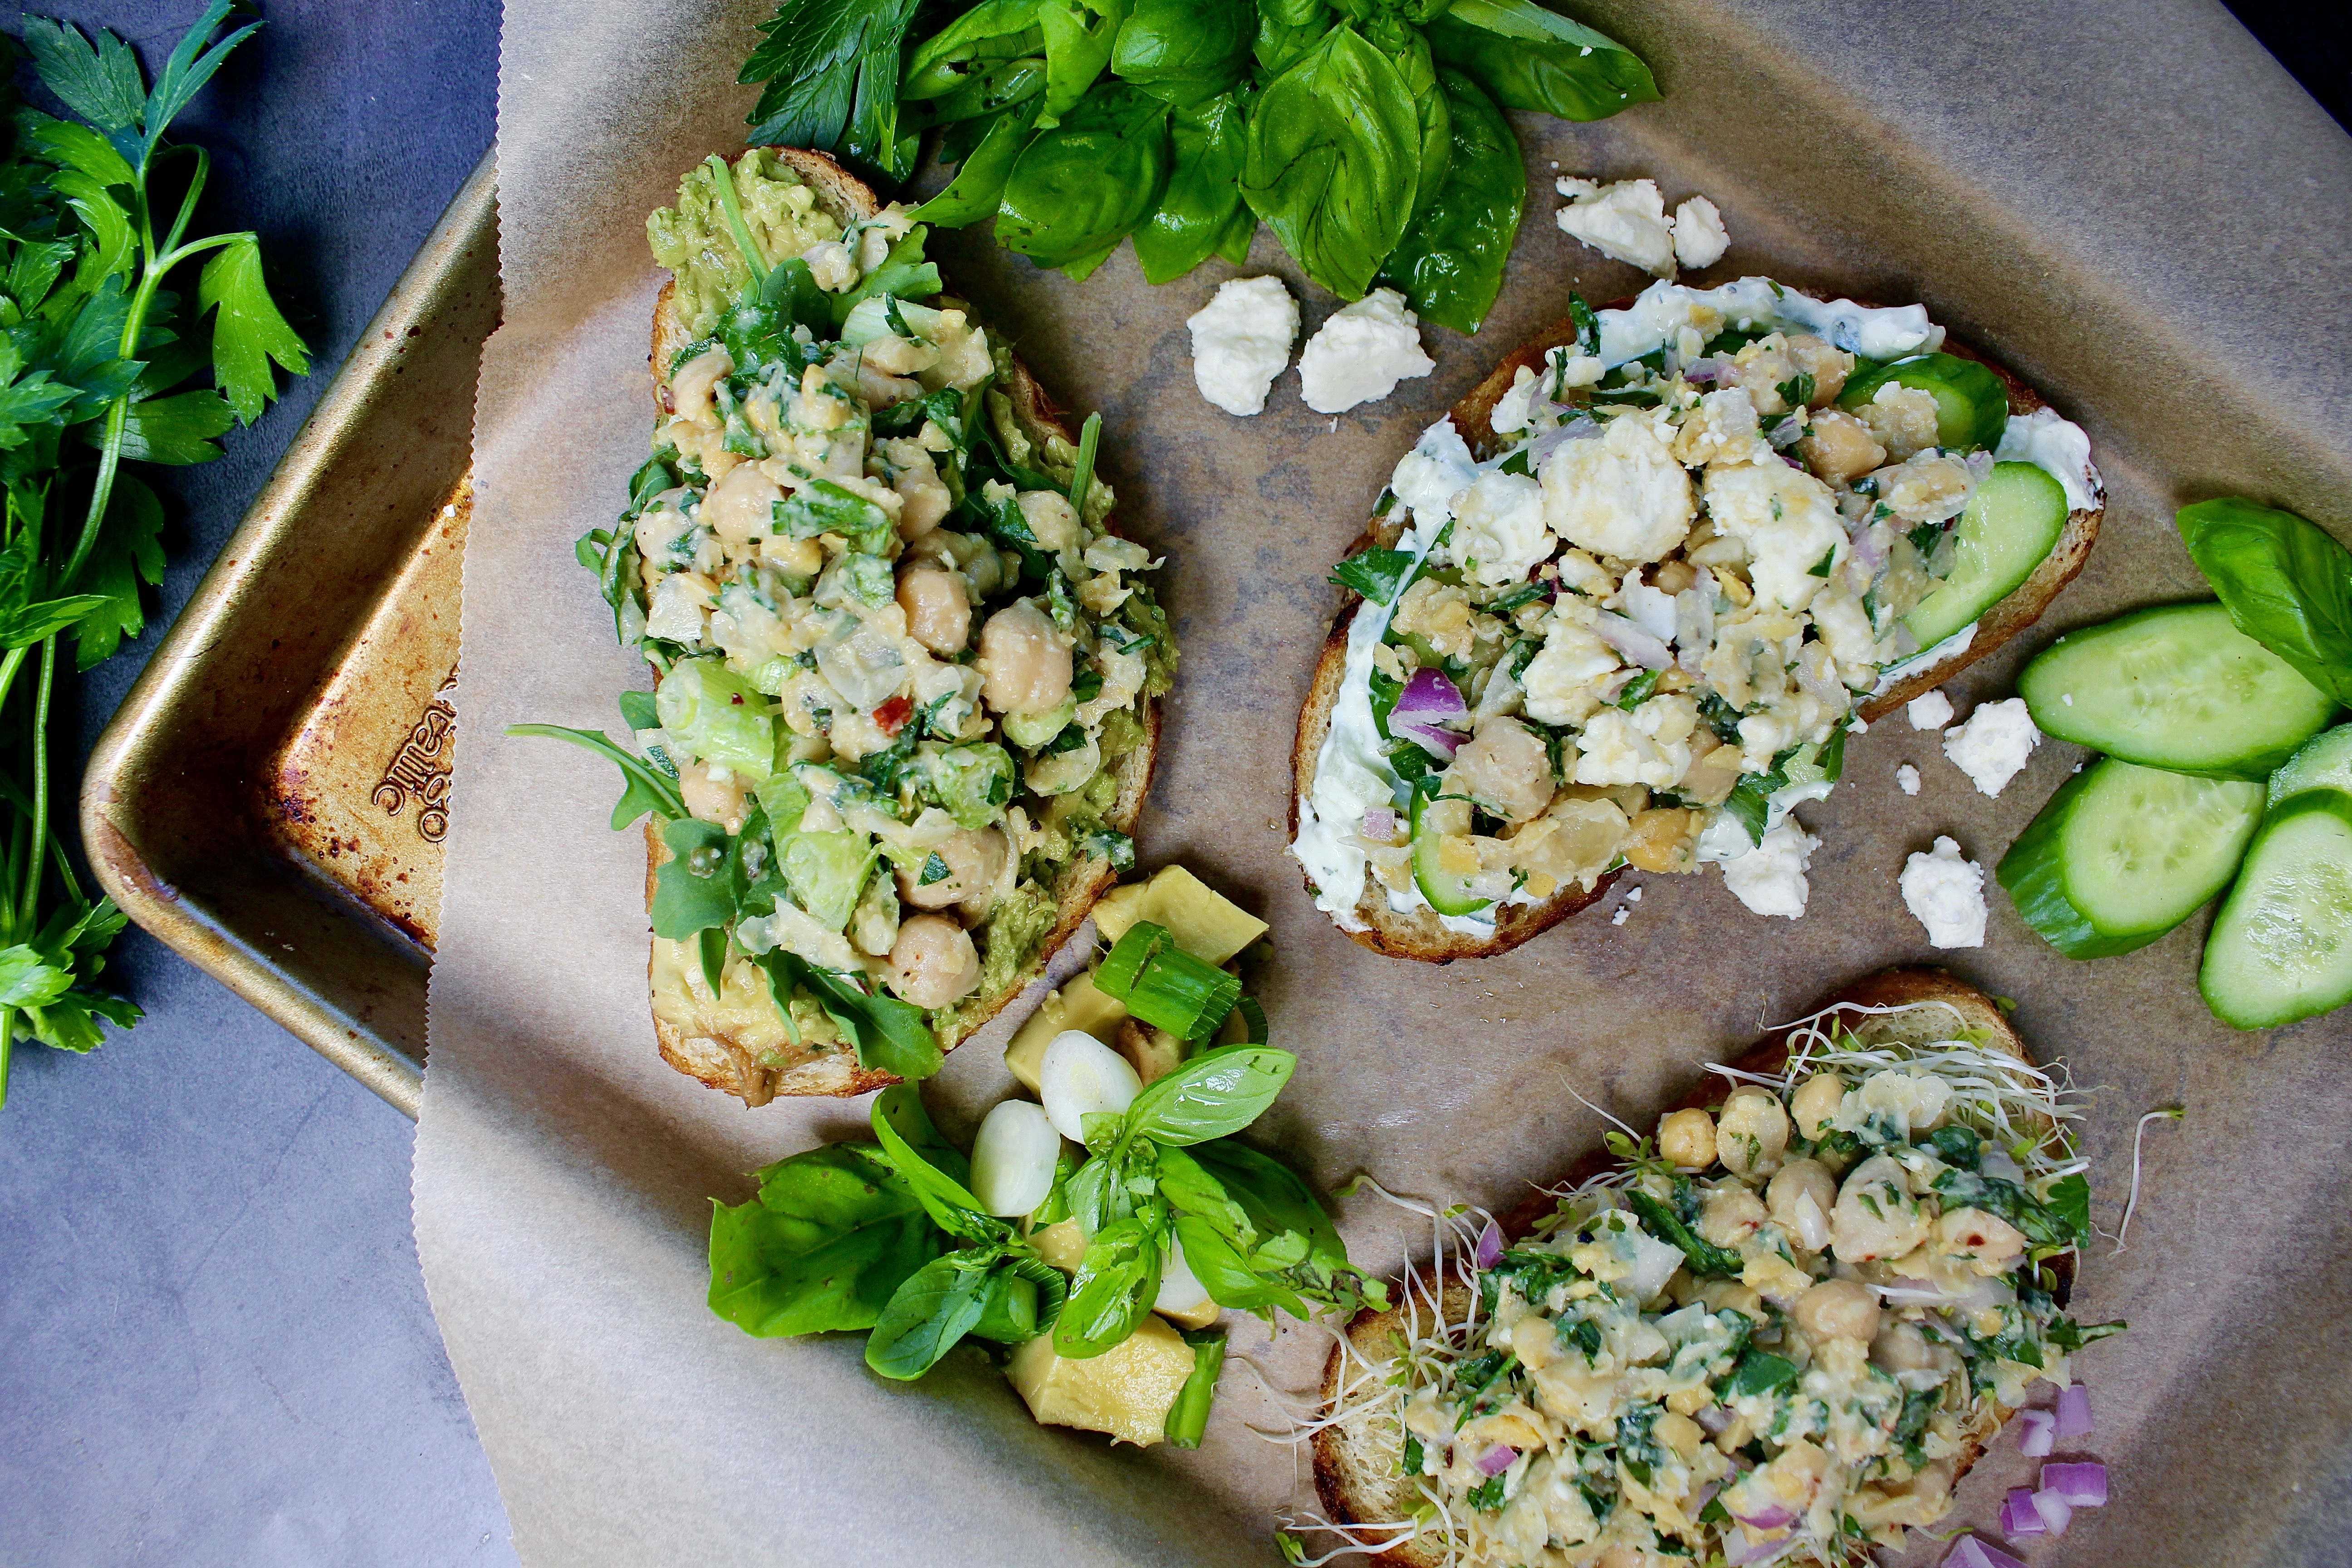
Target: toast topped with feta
{"type": "Point", "coordinates": [1624, 604]}
{"type": "Point", "coordinates": [1780, 1331]}
{"type": "Point", "coordinates": [908, 669]}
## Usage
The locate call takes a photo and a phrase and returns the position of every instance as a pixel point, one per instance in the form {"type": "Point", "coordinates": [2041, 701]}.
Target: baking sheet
{"type": "Point", "coordinates": [2139, 212]}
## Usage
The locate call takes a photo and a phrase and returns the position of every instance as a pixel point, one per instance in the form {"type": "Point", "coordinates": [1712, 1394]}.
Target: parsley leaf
{"type": "Point", "coordinates": [249, 333]}
{"type": "Point", "coordinates": [1377, 574]}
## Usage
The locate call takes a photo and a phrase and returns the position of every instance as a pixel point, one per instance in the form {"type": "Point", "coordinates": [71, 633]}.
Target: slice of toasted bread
{"type": "Point", "coordinates": [728, 1064]}
{"type": "Point", "coordinates": [1418, 933]}
{"type": "Point", "coordinates": [1358, 1473]}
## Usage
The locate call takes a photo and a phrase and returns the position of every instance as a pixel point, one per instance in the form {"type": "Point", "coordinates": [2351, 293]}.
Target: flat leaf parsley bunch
{"type": "Point", "coordinates": [1368, 135]}
{"type": "Point", "coordinates": [99, 361]}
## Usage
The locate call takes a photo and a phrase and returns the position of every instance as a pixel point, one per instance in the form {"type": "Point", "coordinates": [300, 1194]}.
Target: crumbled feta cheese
{"type": "Point", "coordinates": [1558, 680]}
{"type": "Point", "coordinates": [1626, 222]}
{"type": "Point", "coordinates": [1700, 239]}
{"type": "Point", "coordinates": [1633, 895]}
{"type": "Point", "coordinates": [1994, 744]}
{"type": "Point", "coordinates": [1651, 609]}
{"type": "Point", "coordinates": [1498, 528]}
{"type": "Point", "coordinates": [1428, 478]}
{"type": "Point", "coordinates": [1931, 711]}
{"type": "Point", "coordinates": [1361, 352]}
{"type": "Point", "coordinates": [1944, 892]}
{"type": "Point", "coordinates": [1623, 495]}
{"type": "Point", "coordinates": [1908, 777]}
{"type": "Point", "coordinates": [1648, 746]}
{"type": "Point", "coordinates": [1789, 521]}
{"type": "Point", "coordinates": [1770, 878]}
{"type": "Point", "coordinates": [1241, 341]}
{"type": "Point", "coordinates": [1621, 916]}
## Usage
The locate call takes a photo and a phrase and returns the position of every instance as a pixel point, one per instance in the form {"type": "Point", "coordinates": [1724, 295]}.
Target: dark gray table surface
{"type": "Point", "coordinates": [215, 1345]}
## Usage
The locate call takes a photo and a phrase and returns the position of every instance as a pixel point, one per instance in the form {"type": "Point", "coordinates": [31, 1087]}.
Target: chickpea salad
{"type": "Point", "coordinates": [1639, 631]}
{"type": "Point", "coordinates": [902, 657]}
{"type": "Point", "coordinates": [1772, 1335]}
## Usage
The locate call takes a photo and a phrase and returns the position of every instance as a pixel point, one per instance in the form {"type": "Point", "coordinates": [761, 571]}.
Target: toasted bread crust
{"type": "Point", "coordinates": [1354, 1476]}
{"type": "Point", "coordinates": [1419, 934]}
{"type": "Point", "coordinates": [726, 1064]}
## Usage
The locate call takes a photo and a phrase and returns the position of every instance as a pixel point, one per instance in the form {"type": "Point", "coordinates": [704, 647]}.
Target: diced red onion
{"type": "Point", "coordinates": [1643, 647]}
{"type": "Point", "coordinates": [2056, 1512]}
{"type": "Point", "coordinates": [2018, 1514]}
{"type": "Point", "coordinates": [1979, 465]}
{"type": "Point", "coordinates": [1739, 1554]}
{"type": "Point", "coordinates": [2041, 1434]}
{"type": "Point", "coordinates": [1380, 823]}
{"type": "Point", "coordinates": [1773, 1518]}
{"type": "Point", "coordinates": [1968, 1551]}
{"type": "Point", "coordinates": [2073, 1411]}
{"type": "Point", "coordinates": [1437, 742]}
{"type": "Point", "coordinates": [1791, 461]}
{"type": "Point", "coordinates": [1580, 428]}
{"type": "Point", "coordinates": [1716, 1420]}
{"type": "Point", "coordinates": [1422, 709]}
{"type": "Point", "coordinates": [1871, 545]}
{"type": "Point", "coordinates": [1490, 1246]}
{"type": "Point", "coordinates": [1702, 371]}
{"type": "Point", "coordinates": [1705, 1494]}
{"type": "Point", "coordinates": [2084, 1485]}
{"type": "Point", "coordinates": [1497, 1459]}
{"type": "Point", "coordinates": [1611, 684]}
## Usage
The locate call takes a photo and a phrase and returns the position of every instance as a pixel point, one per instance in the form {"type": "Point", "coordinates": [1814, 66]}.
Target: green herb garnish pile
{"type": "Point", "coordinates": [97, 354]}
{"type": "Point", "coordinates": [1369, 134]}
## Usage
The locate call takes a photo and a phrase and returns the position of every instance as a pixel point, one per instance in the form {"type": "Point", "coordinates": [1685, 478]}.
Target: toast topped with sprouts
{"type": "Point", "coordinates": [1780, 1328]}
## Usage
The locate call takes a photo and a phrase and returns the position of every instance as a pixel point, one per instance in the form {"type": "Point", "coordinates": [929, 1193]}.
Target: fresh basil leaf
{"type": "Point", "coordinates": [1078, 38]}
{"type": "Point", "coordinates": [1533, 58]}
{"type": "Point", "coordinates": [1215, 1095]}
{"type": "Point", "coordinates": [1378, 574]}
{"type": "Point", "coordinates": [1188, 1187]}
{"type": "Point", "coordinates": [1115, 1285]}
{"type": "Point", "coordinates": [1078, 188]}
{"type": "Point", "coordinates": [1449, 265]}
{"type": "Point", "coordinates": [1419, 74]}
{"type": "Point", "coordinates": [979, 183]}
{"type": "Point", "coordinates": [984, 35]}
{"type": "Point", "coordinates": [1009, 1309]}
{"type": "Point", "coordinates": [938, 1305]}
{"type": "Point", "coordinates": [2287, 583]}
{"type": "Point", "coordinates": [1204, 198]}
{"type": "Point", "coordinates": [831, 1234]}
{"type": "Point", "coordinates": [1761, 1371]}
{"type": "Point", "coordinates": [1226, 1273]}
{"type": "Point", "coordinates": [944, 1197]}
{"type": "Point", "coordinates": [1331, 158]}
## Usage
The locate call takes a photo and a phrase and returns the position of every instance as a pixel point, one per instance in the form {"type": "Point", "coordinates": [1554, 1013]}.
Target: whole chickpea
{"type": "Point", "coordinates": [1991, 1244]}
{"type": "Point", "coordinates": [1023, 663]}
{"type": "Point", "coordinates": [1816, 1102]}
{"type": "Point", "coordinates": [938, 612]}
{"type": "Point", "coordinates": [1752, 1133]}
{"type": "Point", "coordinates": [739, 507]}
{"type": "Point", "coordinates": [974, 861]}
{"type": "Point", "coordinates": [933, 961]}
{"type": "Point", "coordinates": [1792, 1186]}
{"type": "Point", "coordinates": [713, 794]}
{"type": "Point", "coordinates": [1686, 1138]}
{"type": "Point", "coordinates": [1839, 1309]}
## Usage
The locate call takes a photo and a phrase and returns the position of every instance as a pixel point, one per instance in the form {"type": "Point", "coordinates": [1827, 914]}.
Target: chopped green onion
{"type": "Point", "coordinates": [1189, 1416]}
{"type": "Point", "coordinates": [736, 226]}
{"type": "Point", "coordinates": [1164, 986]}
{"type": "Point", "coordinates": [1083, 480]}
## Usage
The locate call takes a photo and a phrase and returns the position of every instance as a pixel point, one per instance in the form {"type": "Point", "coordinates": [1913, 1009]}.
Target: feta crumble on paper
{"type": "Point", "coordinates": [1994, 744]}
{"type": "Point", "coordinates": [1361, 352]}
{"type": "Point", "coordinates": [1241, 341]}
{"type": "Point", "coordinates": [1945, 893]}
{"type": "Point", "coordinates": [1770, 878]}
{"type": "Point", "coordinates": [1908, 777]}
{"type": "Point", "coordinates": [1626, 221]}
{"type": "Point", "coordinates": [1932, 711]}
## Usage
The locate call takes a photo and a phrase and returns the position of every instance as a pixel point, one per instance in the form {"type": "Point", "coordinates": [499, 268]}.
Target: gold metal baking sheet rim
{"type": "Point", "coordinates": [125, 751]}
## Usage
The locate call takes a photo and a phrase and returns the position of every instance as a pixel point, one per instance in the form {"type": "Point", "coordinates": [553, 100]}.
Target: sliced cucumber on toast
{"type": "Point", "coordinates": [1441, 830]}
{"type": "Point", "coordinates": [2282, 946]}
{"type": "Point", "coordinates": [2123, 854]}
{"type": "Point", "coordinates": [2011, 524]}
{"type": "Point", "coordinates": [2179, 688]}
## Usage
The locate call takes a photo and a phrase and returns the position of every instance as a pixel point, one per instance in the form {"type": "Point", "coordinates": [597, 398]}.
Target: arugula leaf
{"type": "Point", "coordinates": [2287, 583]}
{"type": "Point", "coordinates": [1377, 574]}
{"type": "Point", "coordinates": [889, 1036]}
{"type": "Point", "coordinates": [831, 1234]}
{"type": "Point", "coordinates": [249, 333]}
{"type": "Point", "coordinates": [648, 788]}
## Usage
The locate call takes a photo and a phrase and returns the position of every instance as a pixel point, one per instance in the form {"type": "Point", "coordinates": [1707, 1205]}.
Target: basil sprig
{"type": "Point", "coordinates": [2287, 583]}
{"type": "Point", "coordinates": [1368, 135]}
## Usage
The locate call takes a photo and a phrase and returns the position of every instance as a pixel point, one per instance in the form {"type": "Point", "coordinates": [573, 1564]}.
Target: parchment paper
{"type": "Point", "coordinates": [2135, 210]}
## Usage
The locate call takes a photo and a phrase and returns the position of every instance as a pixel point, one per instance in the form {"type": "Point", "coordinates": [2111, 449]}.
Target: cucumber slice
{"type": "Point", "coordinates": [2282, 946]}
{"type": "Point", "coordinates": [1971, 404]}
{"type": "Point", "coordinates": [2324, 763]}
{"type": "Point", "coordinates": [1434, 822]}
{"type": "Point", "coordinates": [2010, 526]}
{"type": "Point", "coordinates": [2123, 854]}
{"type": "Point", "coordinates": [2178, 687]}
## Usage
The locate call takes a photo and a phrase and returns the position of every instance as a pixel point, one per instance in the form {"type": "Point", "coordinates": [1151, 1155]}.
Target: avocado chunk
{"type": "Point", "coordinates": [1204, 922]}
{"type": "Point", "coordinates": [1076, 1005]}
{"type": "Point", "coordinates": [1126, 1391]}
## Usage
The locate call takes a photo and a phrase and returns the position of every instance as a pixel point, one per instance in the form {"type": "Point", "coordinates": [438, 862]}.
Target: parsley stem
{"type": "Point", "coordinates": [8, 1040]}
{"type": "Point", "coordinates": [35, 858]}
